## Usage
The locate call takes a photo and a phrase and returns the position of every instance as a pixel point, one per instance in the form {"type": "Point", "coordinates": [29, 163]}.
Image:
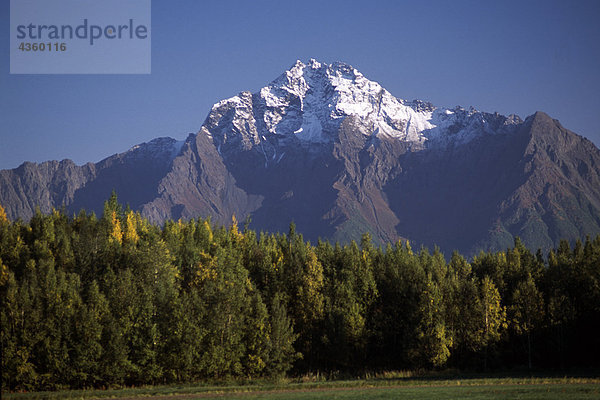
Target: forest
{"type": "Point", "coordinates": [114, 300]}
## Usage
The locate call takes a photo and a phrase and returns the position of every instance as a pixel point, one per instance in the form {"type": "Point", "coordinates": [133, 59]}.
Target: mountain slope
{"type": "Point", "coordinates": [198, 184]}
{"type": "Point", "coordinates": [133, 174]}
{"type": "Point", "coordinates": [327, 148]}
{"type": "Point", "coordinates": [560, 198]}
{"type": "Point", "coordinates": [46, 185]}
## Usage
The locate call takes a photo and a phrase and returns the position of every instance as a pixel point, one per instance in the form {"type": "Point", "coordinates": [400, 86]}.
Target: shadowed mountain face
{"type": "Point", "coordinates": [339, 155]}
{"type": "Point", "coordinates": [452, 198]}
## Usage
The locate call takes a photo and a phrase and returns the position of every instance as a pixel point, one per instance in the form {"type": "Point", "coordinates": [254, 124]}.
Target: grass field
{"type": "Point", "coordinates": [551, 391]}
{"type": "Point", "coordinates": [371, 388]}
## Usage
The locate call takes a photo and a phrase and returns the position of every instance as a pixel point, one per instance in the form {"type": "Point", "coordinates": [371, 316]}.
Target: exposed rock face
{"type": "Point", "coordinates": [134, 174]}
{"type": "Point", "coordinates": [199, 184]}
{"type": "Point", "coordinates": [46, 185]}
{"type": "Point", "coordinates": [339, 155]}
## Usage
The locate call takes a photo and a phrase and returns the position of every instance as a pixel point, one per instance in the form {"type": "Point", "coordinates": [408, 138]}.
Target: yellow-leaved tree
{"type": "Point", "coordinates": [116, 233]}
{"type": "Point", "coordinates": [3, 217]}
{"type": "Point", "coordinates": [130, 235]}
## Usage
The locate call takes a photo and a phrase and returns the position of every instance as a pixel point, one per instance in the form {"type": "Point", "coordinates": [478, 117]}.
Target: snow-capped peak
{"type": "Point", "coordinates": [327, 93]}
{"type": "Point", "coordinates": [309, 101]}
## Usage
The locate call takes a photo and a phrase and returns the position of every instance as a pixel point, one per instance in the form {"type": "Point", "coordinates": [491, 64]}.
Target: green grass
{"type": "Point", "coordinates": [572, 391]}
{"type": "Point", "coordinates": [548, 391]}
{"type": "Point", "coordinates": [383, 386]}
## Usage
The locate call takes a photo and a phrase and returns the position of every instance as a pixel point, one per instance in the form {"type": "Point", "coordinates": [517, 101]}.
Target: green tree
{"type": "Point", "coordinates": [493, 316]}
{"type": "Point", "coordinates": [351, 292]}
{"type": "Point", "coordinates": [527, 310]}
{"type": "Point", "coordinates": [434, 340]}
{"type": "Point", "coordinates": [86, 347]}
{"type": "Point", "coordinates": [282, 354]}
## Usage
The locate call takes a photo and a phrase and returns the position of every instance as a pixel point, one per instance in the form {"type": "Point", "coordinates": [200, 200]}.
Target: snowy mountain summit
{"type": "Point", "coordinates": [308, 102]}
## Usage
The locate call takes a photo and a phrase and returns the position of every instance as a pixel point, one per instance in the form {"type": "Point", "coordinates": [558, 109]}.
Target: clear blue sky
{"type": "Point", "coordinates": [506, 56]}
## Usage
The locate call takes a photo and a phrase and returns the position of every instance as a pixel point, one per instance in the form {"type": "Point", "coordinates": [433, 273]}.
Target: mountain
{"type": "Point", "coordinates": [339, 155]}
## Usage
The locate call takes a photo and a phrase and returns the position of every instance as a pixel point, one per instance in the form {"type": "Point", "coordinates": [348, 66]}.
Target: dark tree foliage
{"type": "Point", "coordinates": [113, 300]}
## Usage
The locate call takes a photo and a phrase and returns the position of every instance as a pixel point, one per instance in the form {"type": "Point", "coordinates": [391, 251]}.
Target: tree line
{"type": "Point", "coordinates": [93, 301]}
